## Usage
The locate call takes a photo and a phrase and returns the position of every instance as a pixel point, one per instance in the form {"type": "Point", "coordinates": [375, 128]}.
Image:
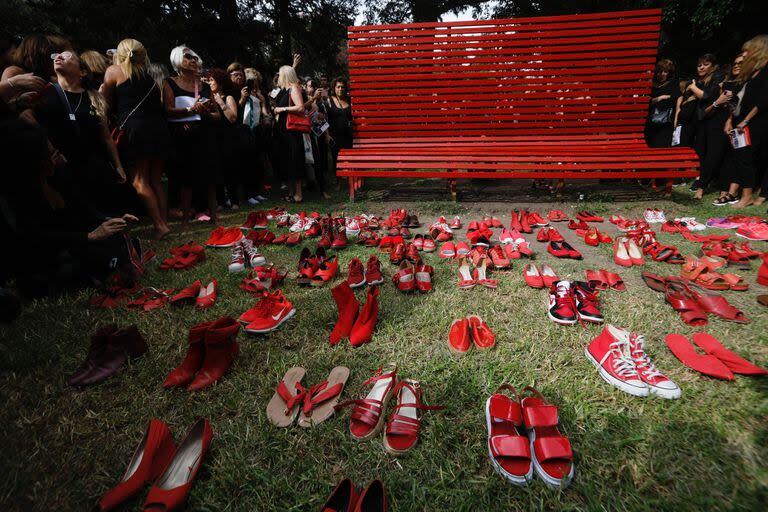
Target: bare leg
{"type": "Point", "coordinates": [297, 193]}
{"type": "Point", "coordinates": [212, 204]}
{"type": "Point", "coordinates": [186, 205]}
{"type": "Point", "coordinates": [746, 198]}
{"type": "Point", "coordinates": [141, 183]}
{"type": "Point", "coordinates": [155, 180]}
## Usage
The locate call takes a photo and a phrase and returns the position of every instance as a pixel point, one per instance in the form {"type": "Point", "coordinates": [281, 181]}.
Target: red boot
{"type": "Point", "coordinates": [347, 304]}
{"type": "Point", "coordinates": [221, 349]}
{"type": "Point", "coordinates": [362, 331]}
{"type": "Point", "coordinates": [182, 374]}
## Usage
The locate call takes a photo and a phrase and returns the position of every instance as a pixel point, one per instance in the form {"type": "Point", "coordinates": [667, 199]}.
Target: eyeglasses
{"type": "Point", "coordinates": [189, 56]}
{"type": "Point", "coordinates": [63, 55]}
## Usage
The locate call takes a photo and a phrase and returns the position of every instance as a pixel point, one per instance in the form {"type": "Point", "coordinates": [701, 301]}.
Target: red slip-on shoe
{"type": "Point", "coordinates": [405, 278]}
{"type": "Point", "coordinates": [149, 460]}
{"type": "Point", "coordinates": [280, 240]}
{"type": "Point", "coordinates": [418, 242]}
{"type": "Point", "coordinates": [597, 279]}
{"type": "Point", "coordinates": [736, 364]}
{"type": "Point", "coordinates": [634, 252]}
{"type": "Point", "coordinates": [348, 307]}
{"type": "Point", "coordinates": [462, 249]}
{"type": "Point", "coordinates": [372, 499]}
{"type": "Point", "coordinates": [404, 423]}
{"type": "Point", "coordinates": [342, 499]}
{"type": "Point", "coordinates": [193, 360]}
{"type": "Point", "coordinates": [604, 239]}
{"type": "Point", "coordinates": [362, 330]}
{"type": "Point", "coordinates": [448, 250]}
{"type": "Point", "coordinates": [535, 218]}
{"type": "Point", "coordinates": [548, 275]}
{"type": "Point", "coordinates": [557, 216]}
{"type": "Point", "coordinates": [187, 295]}
{"type": "Point", "coordinates": [373, 275]}
{"type": "Point", "coordinates": [543, 235]}
{"type": "Point", "coordinates": [609, 353]}
{"type": "Point", "coordinates": [482, 335]}
{"type": "Point", "coordinates": [170, 491]}
{"type": "Point", "coordinates": [550, 450]}
{"type": "Point", "coordinates": [614, 280]}
{"type": "Point", "coordinates": [216, 235]}
{"type": "Point", "coordinates": [512, 251]}
{"type": "Point", "coordinates": [658, 383]}
{"type": "Point", "coordinates": [532, 276]}
{"type": "Point", "coordinates": [706, 364]}
{"type": "Point", "coordinates": [412, 254]}
{"type": "Point", "coordinates": [591, 237]}
{"type": "Point", "coordinates": [459, 337]}
{"type": "Point", "coordinates": [325, 271]}
{"type": "Point", "coordinates": [508, 449]}
{"type": "Point", "coordinates": [355, 273]}
{"type": "Point", "coordinates": [456, 223]}
{"type": "Point", "coordinates": [206, 297]}
{"type": "Point", "coordinates": [368, 414]}
{"type": "Point", "coordinates": [557, 250]}
{"type": "Point", "coordinates": [620, 253]}
{"type": "Point", "coordinates": [423, 275]}
{"type": "Point", "coordinates": [221, 349]}
{"type": "Point", "coordinates": [498, 258]}
{"type": "Point", "coordinates": [572, 253]}
{"type": "Point", "coordinates": [429, 244]}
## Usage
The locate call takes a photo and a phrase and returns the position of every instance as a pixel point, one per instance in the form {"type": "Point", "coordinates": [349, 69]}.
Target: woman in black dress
{"type": "Point", "coordinates": [226, 132]}
{"type": "Point", "coordinates": [189, 110]}
{"type": "Point", "coordinates": [144, 141]}
{"type": "Point", "coordinates": [339, 119]}
{"type": "Point", "coordinates": [289, 145]}
{"type": "Point", "coordinates": [661, 111]}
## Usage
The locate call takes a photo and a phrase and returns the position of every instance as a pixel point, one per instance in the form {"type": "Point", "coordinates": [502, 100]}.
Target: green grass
{"type": "Point", "coordinates": [706, 451]}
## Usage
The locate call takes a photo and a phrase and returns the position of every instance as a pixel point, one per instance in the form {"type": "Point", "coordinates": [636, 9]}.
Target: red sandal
{"type": "Point", "coordinates": [508, 449]}
{"type": "Point", "coordinates": [403, 426]}
{"type": "Point", "coordinates": [368, 415]}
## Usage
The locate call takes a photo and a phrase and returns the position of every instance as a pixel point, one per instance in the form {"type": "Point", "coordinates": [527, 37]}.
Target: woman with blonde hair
{"type": "Point", "coordinates": [141, 128]}
{"type": "Point", "coordinates": [751, 116]}
{"type": "Point", "coordinates": [96, 63]}
{"type": "Point", "coordinates": [289, 144]}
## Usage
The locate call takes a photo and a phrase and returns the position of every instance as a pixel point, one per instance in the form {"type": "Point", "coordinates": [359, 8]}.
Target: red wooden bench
{"type": "Point", "coordinates": [557, 97]}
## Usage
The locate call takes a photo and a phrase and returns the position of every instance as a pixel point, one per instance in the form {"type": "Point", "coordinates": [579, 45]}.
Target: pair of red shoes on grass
{"type": "Point", "coordinates": [478, 276]}
{"type": "Point", "coordinates": [212, 350]}
{"type": "Point", "coordinates": [424, 243]}
{"type": "Point", "coordinates": [603, 280]}
{"type": "Point", "coordinates": [523, 438]}
{"type": "Point", "coordinates": [587, 216]}
{"type": "Point", "coordinates": [261, 237]}
{"type": "Point", "coordinates": [627, 253]}
{"type": "Point", "coordinates": [358, 276]}
{"type": "Point", "coordinates": [316, 269]}
{"type": "Point", "coordinates": [718, 362]}
{"type": "Point", "coordinates": [272, 311]}
{"type": "Point", "coordinates": [345, 498]}
{"type": "Point", "coordinates": [523, 221]}
{"type": "Point", "coordinates": [414, 277]}
{"type": "Point", "coordinates": [404, 251]}
{"type": "Point", "coordinates": [261, 279]}
{"type": "Point", "coordinates": [184, 256]}
{"type": "Point", "coordinates": [557, 216]}
{"type": "Point", "coordinates": [572, 302]}
{"type": "Point", "coordinates": [171, 469]}
{"type": "Point", "coordinates": [563, 250]}
{"type": "Point", "coordinates": [224, 237]}
{"type": "Point", "coordinates": [466, 331]}
{"type": "Point", "coordinates": [256, 220]}
{"type": "Point", "coordinates": [353, 322]}
{"type": "Point", "coordinates": [203, 296]}
{"type": "Point", "coordinates": [334, 237]}
{"type": "Point", "coordinates": [539, 278]}
{"type": "Point", "coordinates": [402, 428]}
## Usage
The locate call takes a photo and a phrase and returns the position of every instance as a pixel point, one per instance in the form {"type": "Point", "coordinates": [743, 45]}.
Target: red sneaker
{"type": "Point", "coordinates": [562, 304]}
{"type": "Point", "coordinates": [482, 335]}
{"type": "Point", "coordinates": [355, 273]}
{"type": "Point", "coordinates": [250, 221]}
{"type": "Point", "coordinates": [498, 258]}
{"type": "Point", "coordinates": [227, 238]}
{"type": "Point", "coordinates": [216, 235]}
{"type": "Point", "coordinates": [373, 275]}
{"type": "Point", "coordinates": [429, 244]}
{"type": "Point", "coordinates": [587, 303]}
{"type": "Point", "coordinates": [535, 218]}
{"type": "Point", "coordinates": [362, 330]}
{"type": "Point", "coordinates": [269, 314]}
{"type": "Point", "coordinates": [658, 383]}
{"type": "Point", "coordinates": [455, 223]}
{"type": "Point", "coordinates": [610, 353]}
{"type": "Point", "coordinates": [458, 337]}
{"type": "Point", "coordinates": [260, 220]}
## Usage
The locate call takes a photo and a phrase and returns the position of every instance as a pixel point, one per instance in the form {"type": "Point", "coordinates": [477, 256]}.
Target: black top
{"type": "Point", "coordinates": [711, 93]}
{"type": "Point", "coordinates": [340, 121]}
{"type": "Point", "coordinates": [283, 99]}
{"type": "Point", "coordinates": [755, 95]}
{"type": "Point", "coordinates": [129, 95]}
{"type": "Point", "coordinates": [77, 140]}
{"type": "Point", "coordinates": [668, 88]}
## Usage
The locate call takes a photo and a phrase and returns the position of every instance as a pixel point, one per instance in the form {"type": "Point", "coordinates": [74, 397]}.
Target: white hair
{"type": "Point", "coordinates": [177, 56]}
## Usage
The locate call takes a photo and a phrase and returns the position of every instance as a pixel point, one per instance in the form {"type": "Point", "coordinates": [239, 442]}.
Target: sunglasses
{"type": "Point", "coordinates": [63, 55]}
{"type": "Point", "coordinates": [189, 56]}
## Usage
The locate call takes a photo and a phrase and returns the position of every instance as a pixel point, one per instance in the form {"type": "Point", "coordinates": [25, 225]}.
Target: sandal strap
{"type": "Point", "coordinates": [320, 393]}
{"type": "Point", "coordinates": [400, 425]}
{"type": "Point", "coordinates": [503, 408]}
{"type": "Point", "coordinates": [552, 448]}
{"type": "Point", "coordinates": [508, 445]}
{"type": "Point", "coordinates": [540, 416]}
{"type": "Point", "coordinates": [289, 398]}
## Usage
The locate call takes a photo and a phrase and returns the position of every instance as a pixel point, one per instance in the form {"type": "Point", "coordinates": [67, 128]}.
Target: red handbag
{"type": "Point", "coordinates": [296, 122]}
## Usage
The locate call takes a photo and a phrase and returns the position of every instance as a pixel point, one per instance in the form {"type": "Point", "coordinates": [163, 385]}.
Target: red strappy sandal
{"type": "Point", "coordinates": [679, 297]}
{"type": "Point", "coordinates": [550, 450]}
{"type": "Point", "coordinates": [368, 415]}
{"type": "Point", "coordinates": [403, 426]}
{"type": "Point", "coordinates": [508, 447]}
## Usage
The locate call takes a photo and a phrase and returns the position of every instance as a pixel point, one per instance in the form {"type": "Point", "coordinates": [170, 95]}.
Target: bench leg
{"type": "Point", "coordinates": [559, 188]}
{"type": "Point", "coordinates": [351, 189]}
{"type": "Point", "coordinates": [452, 189]}
{"type": "Point", "coordinates": [668, 187]}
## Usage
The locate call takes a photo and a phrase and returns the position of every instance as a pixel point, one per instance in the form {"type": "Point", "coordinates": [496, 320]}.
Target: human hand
{"type": "Point", "coordinates": [57, 158]}
{"type": "Point", "coordinates": [27, 82]}
{"type": "Point", "coordinates": [120, 174]}
{"type": "Point", "coordinates": [127, 217]}
{"type": "Point", "coordinates": [296, 60]}
{"type": "Point", "coordinates": [106, 229]}
{"type": "Point", "coordinates": [740, 127]}
{"type": "Point", "coordinates": [728, 128]}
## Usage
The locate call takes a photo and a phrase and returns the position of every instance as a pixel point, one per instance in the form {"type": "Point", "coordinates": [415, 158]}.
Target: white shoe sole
{"type": "Point", "coordinates": [515, 479]}
{"type": "Point", "coordinates": [669, 394]}
{"type": "Point", "coordinates": [357, 285]}
{"type": "Point", "coordinates": [750, 238]}
{"type": "Point", "coordinates": [552, 483]}
{"type": "Point", "coordinates": [281, 322]}
{"type": "Point", "coordinates": [613, 381]}
{"type": "Point", "coordinates": [561, 322]}
{"type": "Point", "coordinates": [378, 281]}
{"type": "Point", "coordinates": [234, 270]}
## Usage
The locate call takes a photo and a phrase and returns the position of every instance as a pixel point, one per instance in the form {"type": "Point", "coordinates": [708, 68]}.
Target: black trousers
{"type": "Point", "coordinates": [750, 162]}
{"type": "Point", "coordinates": [711, 145]}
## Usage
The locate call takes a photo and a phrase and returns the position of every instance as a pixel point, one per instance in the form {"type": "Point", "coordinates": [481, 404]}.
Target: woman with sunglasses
{"type": "Point", "coordinates": [189, 109]}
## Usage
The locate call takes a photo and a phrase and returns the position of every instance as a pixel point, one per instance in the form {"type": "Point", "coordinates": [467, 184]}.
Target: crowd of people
{"type": "Point", "coordinates": [88, 137]}
{"type": "Point", "coordinates": [723, 114]}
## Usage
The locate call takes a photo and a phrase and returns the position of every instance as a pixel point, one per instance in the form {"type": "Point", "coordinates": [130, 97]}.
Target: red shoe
{"type": "Point", "coordinates": [149, 460]}
{"type": "Point", "coordinates": [580, 224]}
{"type": "Point", "coordinates": [429, 244]}
{"type": "Point", "coordinates": [367, 416]}
{"type": "Point", "coordinates": [736, 364]}
{"type": "Point", "coordinates": [591, 237]}
{"type": "Point", "coordinates": [423, 275]}
{"type": "Point", "coordinates": [250, 221]}
{"type": "Point", "coordinates": [480, 277]}
{"type": "Point", "coordinates": [482, 335]}
{"type": "Point", "coordinates": [548, 275]}
{"type": "Point", "coordinates": [193, 360]}
{"type": "Point", "coordinates": [558, 250]}
{"type": "Point", "coordinates": [313, 231]}
{"type": "Point", "coordinates": [260, 220]}
{"type": "Point", "coordinates": [543, 235]}
{"type": "Point", "coordinates": [216, 235]}
{"type": "Point", "coordinates": [221, 349]}
{"type": "Point", "coordinates": [373, 273]}
{"type": "Point", "coordinates": [171, 490]}
{"type": "Point", "coordinates": [348, 307]}
{"type": "Point", "coordinates": [355, 273]}
{"type": "Point", "coordinates": [535, 218]}
{"type": "Point", "coordinates": [512, 251]}
{"type": "Point", "coordinates": [465, 277]}
{"type": "Point", "coordinates": [532, 276]}
{"type": "Point", "coordinates": [372, 499]}
{"type": "Point", "coordinates": [462, 249]}
{"type": "Point", "coordinates": [459, 337]}
{"type": "Point", "coordinates": [557, 216]}
{"type": "Point", "coordinates": [448, 250]}
{"type": "Point", "coordinates": [326, 239]}
{"type": "Point", "coordinates": [206, 297]}
{"type": "Point", "coordinates": [455, 223]}
{"type": "Point", "coordinates": [604, 239]}
{"type": "Point", "coordinates": [634, 252]}
{"type": "Point", "coordinates": [498, 258]}
{"type": "Point", "coordinates": [418, 242]}
{"type": "Point", "coordinates": [588, 217]}
{"type": "Point", "coordinates": [508, 448]}
{"type": "Point", "coordinates": [398, 254]}
{"type": "Point", "coordinates": [562, 304]}
{"type": "Point", "coordinates": [620, 253]}
{"type": "Point", "coordinates": [514, 223]}
{"type": "Point", "coordinates": [550, 450]}
{"type": "Point", "coordinates": [587, 304]}
{"type": "Point", "coordinates": [269, 314]}
{"type": "Point", "coordinates": [412, 254]}
{"type": "Point", "coordinates": [610, 353]}
{"type": "Point", "coordinates": [706, 364]}
{"type": "Point", "coordinates": [762, 272]}
{"type": "Point", "coordinates": [362, 330]}
{"type": "Point", "coordinates": [658, 383]}
{"type": "Point", "coordinates": [188, 294]}
{"type": "Point", "coordinates": [228, 237]}
{"type": "Point", "coordinates": [342, 499]}
{"type": "Point", "coordinates": [525, 223]}
{"type": "Point", "coordinates": [405, 278]}
{"type": "Point", "coordinates": [339, 239]}
{"type": "Point", "coordinates": [325, 271]}
{"type": "Point", "coordinates": [404, 423]}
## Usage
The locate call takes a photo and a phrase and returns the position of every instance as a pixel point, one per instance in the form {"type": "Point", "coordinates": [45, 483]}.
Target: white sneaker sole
{"type": "Point", "coordinates": [281, 322]}
{"type": "Point", "coordinates": [357, 285]}
{"type": "Point", "coordinates": [669, 394]}
{"type": "Point", "coordinates": [515, 479]}
{"type": "Point", "coordinates": [613, 381]}
{"type": "Point", "coordinates": [561, 322]}
{"type": "Point", "coordinates": [378, 281]}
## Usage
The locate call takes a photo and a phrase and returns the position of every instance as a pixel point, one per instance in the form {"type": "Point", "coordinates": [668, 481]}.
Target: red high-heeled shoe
{"type": "Point", "coordinates": [149, 460]}
{"type": "Point", "coordinates": [171, 489]}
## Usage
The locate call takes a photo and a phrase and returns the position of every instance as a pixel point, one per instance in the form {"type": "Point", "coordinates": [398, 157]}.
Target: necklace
{"type": "Point", "coordinates": [69, 106]}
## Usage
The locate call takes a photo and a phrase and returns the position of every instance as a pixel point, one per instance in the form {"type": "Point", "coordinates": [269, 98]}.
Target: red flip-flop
{"type": "Point", "coordinates": [706, 364]}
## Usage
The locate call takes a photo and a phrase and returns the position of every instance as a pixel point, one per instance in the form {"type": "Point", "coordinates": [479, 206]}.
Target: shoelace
{"type": "Point", "coordinates": [237, 254]}
{"type": "Point", "coordinates": [623, 365]}
{"type": "Point", "coordinates": [565, 297]}
{"type": "Point", "coordinates": [642, 360]}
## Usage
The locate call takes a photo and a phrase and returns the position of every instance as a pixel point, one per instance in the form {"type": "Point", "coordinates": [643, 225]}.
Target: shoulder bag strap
{"type": "Point", "coordinates": [137, 106]}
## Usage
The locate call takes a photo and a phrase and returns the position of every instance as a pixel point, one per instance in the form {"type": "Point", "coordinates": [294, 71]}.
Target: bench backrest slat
{"type": "Point", "coordinates": [558, 75]}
